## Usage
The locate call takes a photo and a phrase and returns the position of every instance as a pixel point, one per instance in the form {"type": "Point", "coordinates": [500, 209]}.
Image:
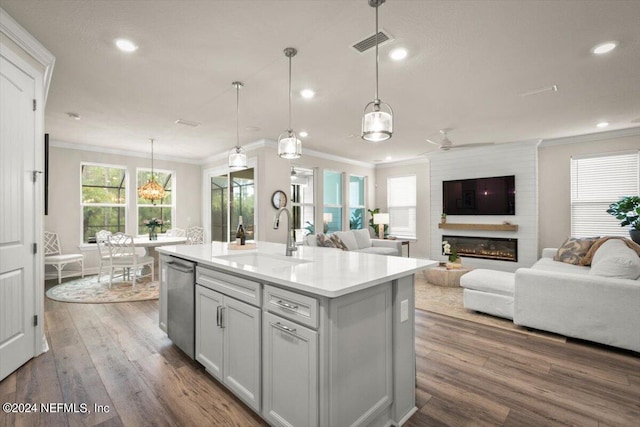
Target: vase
{"type": "Point", "coordinates": [153, 234]}
{"type": "Point", "coordinates": [635, 235]}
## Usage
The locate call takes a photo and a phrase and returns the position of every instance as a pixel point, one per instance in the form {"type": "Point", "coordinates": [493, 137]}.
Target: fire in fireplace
{"type": "Point", "coordinates": [496, 248]}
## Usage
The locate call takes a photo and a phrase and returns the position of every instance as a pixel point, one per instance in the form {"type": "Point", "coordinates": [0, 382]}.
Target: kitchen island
{"type": "Point", "coordinates": [323, 337]}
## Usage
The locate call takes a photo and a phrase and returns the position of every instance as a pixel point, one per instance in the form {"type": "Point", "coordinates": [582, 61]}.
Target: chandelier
{"type": "Point", "coordinates": [289, 146]}
{"type": "Point", "coordinates": [151, 190]}
{"type": "Point", "coordinates": [237, 155]}
{"type": "Point", "coordinates": [377, 124]}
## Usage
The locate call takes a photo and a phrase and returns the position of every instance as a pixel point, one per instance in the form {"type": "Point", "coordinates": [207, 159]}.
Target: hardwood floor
{"type": "Point", "coordinates": [467, 374]}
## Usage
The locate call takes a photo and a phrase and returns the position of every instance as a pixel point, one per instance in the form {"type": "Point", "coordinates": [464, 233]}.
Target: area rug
{"type": "Point", "coordinates": [90, 291]}
{"type": "Point", "coordinates": [448, 301]}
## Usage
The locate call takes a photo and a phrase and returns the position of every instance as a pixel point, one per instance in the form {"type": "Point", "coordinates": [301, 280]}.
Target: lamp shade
{"type": "Point", "coordinates": [377, 125]}
{"type": "Point", "coordinates": [327, 217]}
{"type": "Point", "coordinates": [289, 146]}
{"type": "Point", "coordinates": [381, 218]}
{"type": "Point", "coordinates": [237, 158]}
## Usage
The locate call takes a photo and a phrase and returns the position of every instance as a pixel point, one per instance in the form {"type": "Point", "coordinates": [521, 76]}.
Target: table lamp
{"type": "Point", "coordinates": [381, 219]}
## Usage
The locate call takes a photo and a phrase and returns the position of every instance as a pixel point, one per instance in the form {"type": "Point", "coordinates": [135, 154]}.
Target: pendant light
{"type": "Point", "coordinates": [289, 146]}
{"type": "Point", "coordinates": [377, 118]}
{"type": "Point", "coordinates": [151, 190]}
{"type": "Point", "coordinates": [237, 155]}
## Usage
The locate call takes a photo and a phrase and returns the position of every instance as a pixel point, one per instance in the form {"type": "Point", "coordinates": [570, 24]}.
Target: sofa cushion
{"type": "Point", "coordinates": [547, 264]}
{"type": "Point", "coordinates": [378, 250]}
{"type": "Point", "coordinates": [363, 238]}
{"type": "Point", "coordinates": [348, 239]}
{"type": "Point", "coordinates": [574, 249]}
{"type": "Point", "coordinates": [324, 241]}
{"type": "Point", "coordinates": [615, 259]}
{"type": "Point", "coordinates": [492, 281]}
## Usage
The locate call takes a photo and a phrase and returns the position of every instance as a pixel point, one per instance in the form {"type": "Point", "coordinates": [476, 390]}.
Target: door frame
{"type": "Point", "coordinates": [27, 45]}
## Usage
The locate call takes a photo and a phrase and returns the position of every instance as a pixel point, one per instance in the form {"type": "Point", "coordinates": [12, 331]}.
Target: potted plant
{"type": "Point", "coordinates": [627, 211]}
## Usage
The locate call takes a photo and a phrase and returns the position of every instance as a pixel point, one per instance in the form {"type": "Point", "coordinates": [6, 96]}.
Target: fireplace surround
{"type": "Point", "coordinates": [492, 248]}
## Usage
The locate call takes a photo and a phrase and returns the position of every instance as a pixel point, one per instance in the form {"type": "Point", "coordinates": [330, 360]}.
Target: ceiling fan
{"type": "Point", "coordinates": [445, 144]}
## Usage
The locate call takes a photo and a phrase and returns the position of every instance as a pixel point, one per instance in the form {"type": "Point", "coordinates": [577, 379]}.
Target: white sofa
{"type": "Point", "coordinates": [600, 303]}
{"type": "Point", "coordinates": [361, 241]}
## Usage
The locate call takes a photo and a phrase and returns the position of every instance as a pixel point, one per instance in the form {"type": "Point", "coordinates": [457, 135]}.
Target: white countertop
{"type": "Point", "coordinates": [321, 271]}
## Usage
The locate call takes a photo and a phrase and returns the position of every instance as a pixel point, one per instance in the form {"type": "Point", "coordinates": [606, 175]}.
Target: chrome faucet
{"type": "Point", "coordinates": [276, 223]}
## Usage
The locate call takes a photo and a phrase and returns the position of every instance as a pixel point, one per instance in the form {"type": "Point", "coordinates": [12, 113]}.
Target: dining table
{"type": "Point", "coordinates": [150, 245]}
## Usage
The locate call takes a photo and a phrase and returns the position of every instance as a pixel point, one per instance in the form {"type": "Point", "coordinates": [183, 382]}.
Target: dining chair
{"type": "Point", "coordinates": [103, 250]}
{"type": "Point", "coordinates": [53, 256]}
{"type": "Point", "coordinates": [195, 235]}
{"type": "Point", "coordinates": [122, 255]}
{"type": "Point", "coordinates": [176, 232]}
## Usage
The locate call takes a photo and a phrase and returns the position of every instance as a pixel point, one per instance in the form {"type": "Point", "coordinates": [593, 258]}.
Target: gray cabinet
{"type": "Point", "coordinates": [290, 366]}
{"type": "Point", "coordinates": [228, 343]}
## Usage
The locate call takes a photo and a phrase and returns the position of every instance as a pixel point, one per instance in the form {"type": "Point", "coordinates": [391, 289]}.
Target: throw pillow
{"type": "Point", "coordinates": [325, 241]}
{"type": "Point", "coordinates": [574, 249]}
{"type": "Point", "coordinates": [338, 242]}
{"type": "Point", "coordinates": [348, 239]}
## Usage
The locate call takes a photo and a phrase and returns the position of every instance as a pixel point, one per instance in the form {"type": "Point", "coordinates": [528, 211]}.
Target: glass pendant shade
{"type": "Point", "coordinates": [151, 190]}
{"type": "Point", "coordinates": [237, 158]}
{"type": "Point", "coordinates": [377, 125]}
{"type": "Point", "coordinates": [289, 146]}
{"type": "Point", "coordinates": [237, 155]}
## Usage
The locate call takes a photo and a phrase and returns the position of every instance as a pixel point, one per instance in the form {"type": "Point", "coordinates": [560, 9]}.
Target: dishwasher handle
{"type": "Point", "coordinates": [181, 268]}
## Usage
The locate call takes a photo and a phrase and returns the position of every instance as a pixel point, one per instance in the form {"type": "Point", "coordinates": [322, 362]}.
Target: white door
{"type": "Point", "coordinates": [17, 218]}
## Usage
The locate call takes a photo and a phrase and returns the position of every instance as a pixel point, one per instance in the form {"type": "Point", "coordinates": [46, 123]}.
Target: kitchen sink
{"type": "Point", "coordinates": [261, 260]}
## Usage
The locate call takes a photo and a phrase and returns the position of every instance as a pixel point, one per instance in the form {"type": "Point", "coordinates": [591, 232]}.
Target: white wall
{"type": "Point", "coordinates": [65, 214]}
{"type": "Point", "coordinates": [519, 159]}
{"type": "Point", "coordinates": [554, 183]}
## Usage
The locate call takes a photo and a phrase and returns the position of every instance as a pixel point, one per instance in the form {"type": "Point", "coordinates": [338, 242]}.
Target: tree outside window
{"type": "Point", "coordinates": [163, 209]}
{"type": "Point", "coordinates": [104, 196]}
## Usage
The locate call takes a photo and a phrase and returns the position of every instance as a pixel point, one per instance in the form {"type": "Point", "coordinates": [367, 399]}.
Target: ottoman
{"type": "Point", "coordinates": [489, 291]}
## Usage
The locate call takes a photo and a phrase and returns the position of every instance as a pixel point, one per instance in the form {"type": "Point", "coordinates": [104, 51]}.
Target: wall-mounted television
{"type": "Point", "coordinates": [480, 196]}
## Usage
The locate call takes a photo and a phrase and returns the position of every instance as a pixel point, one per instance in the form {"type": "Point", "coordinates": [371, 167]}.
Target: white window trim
{"type": "Point", "coordinates": [342, 194]}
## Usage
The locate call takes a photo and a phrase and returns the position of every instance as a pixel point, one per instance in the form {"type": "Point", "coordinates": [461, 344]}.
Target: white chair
{"type": "Point", "coordinates": [122, 255]}
{"type": "Point", "coordinates": [195, 235]}
{"type": "Point", "coordinates": [175, 232]}
{"type": "Point", "coordinates": [103, 250]}
{"type": "Point", "coordinates": [53, 256]}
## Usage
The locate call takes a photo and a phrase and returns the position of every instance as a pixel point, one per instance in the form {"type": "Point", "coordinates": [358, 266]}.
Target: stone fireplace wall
{"type": "Point", "coordinates": [519, 159]}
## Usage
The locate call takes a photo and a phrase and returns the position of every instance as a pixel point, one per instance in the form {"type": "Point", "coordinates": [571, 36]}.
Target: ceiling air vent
{"type": "Point", "coordinates": [186, 123]}
{"type": "Point", "coordinates": [370, 42]}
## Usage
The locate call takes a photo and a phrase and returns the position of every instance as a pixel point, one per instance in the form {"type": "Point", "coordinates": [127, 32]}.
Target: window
{"type": "Point", "coordinates": [356, 202]}
{"type": "Point", "coordinates": [104, 199]}
{"type": "Point", "coordinates": [332, 211]}
{"type": "Point", "coordinates": [228, 206]}
{"type": "Point", "coordinates": [161, 209]}
{"type": "Point", "coordinates": [401, 202]}
{"type": "Point", "coordinates": [596, 182]}
{"type": "Point", "coordinates": [302, 207]}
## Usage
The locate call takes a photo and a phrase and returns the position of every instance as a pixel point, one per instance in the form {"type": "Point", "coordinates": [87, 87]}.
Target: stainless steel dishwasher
{"type": "Point", "coordinates": [181, 304]}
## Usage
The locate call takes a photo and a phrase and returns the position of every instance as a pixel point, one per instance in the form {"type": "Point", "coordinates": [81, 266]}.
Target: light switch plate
{"type": "Point", "coordinates": [404, 310]}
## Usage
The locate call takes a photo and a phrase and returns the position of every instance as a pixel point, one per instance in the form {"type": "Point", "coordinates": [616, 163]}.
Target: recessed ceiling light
{"type": "Point", "coordinates": [398, 54]}
{"type": "Point", "coordinates": [303, 134]}
{"type": "Point", "coordinates": [603, 48]}
{"type": "Point", "coordinates": [602, 124]}
{"type": "Point", "coordinates": [74, 116]}
{"type": "Point", "coordinates": [307, 93]}
{"type": "Point", "coordinates": [126, 45]}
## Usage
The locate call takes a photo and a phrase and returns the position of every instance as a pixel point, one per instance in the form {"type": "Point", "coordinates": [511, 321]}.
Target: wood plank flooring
{"type": "Point", "coordinates": [468, 374]}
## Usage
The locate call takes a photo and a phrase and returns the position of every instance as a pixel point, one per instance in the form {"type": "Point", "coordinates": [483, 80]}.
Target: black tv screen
{"type": "Point", "coordinates": [480, 196]}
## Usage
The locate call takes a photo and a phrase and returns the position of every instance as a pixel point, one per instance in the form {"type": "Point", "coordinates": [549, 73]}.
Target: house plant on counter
{"type": "Point", "coordinates": [627, 211]}
{"type": "Point", "coordinates": [152, 224]}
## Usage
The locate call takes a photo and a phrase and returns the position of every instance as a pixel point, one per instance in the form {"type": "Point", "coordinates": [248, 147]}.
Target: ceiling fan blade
{"type": "Point", "coordinates": [433, 142]}
{"type": "Point", "coordinates": [478, 144]}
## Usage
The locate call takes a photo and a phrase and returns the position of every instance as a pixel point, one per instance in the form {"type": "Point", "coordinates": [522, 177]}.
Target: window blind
{"type": "Point", "coordinates": [401, 202]}
{"type": "Point", "coordinates": [596, 182]}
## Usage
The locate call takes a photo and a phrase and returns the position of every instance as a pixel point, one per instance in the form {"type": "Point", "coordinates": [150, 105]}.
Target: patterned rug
{"type": "Point", "coordinates": [90, 291]}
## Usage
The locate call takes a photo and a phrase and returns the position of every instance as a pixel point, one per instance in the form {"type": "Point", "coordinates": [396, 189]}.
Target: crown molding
{"type": "Point", "coordinates": [597, 136]}
{"type": "Point", "coordinates": [321, 155]}
{"type": "Point", "coordinates": [118, 152]}
{"type": "Point", "coordinates": [214, 158]}
{"type": "Point", "coordinates": [21, 37]}
{"type": "Point", "coordinates": [408, 162]}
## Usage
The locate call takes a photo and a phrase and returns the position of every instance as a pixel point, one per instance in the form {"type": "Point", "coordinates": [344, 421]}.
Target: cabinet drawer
{"type": "Point", "coordinates": [237, 287]}
{"type": "Point", "coordinates": [293, 306]}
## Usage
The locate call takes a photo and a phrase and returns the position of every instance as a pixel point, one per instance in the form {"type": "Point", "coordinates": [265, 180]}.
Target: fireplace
{"type": "Point", "coordinates": [496, 248]}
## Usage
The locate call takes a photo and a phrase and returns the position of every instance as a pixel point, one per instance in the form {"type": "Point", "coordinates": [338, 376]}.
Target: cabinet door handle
{"type": "Point", "coordinates": [222, 317]}
{"type": "Point", "coordinates": [285, 328]}
{"type": "Point", "coordinates": [286, 305]}
{"type": "Point", "coordinates": [218, 315]}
